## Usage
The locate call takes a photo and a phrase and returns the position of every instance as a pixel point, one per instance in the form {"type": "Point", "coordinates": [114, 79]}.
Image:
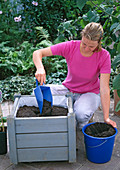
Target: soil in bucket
{"type": "Point", "coordinates": [48, 110]}
{"type": "Point", "coordinates": [99, 129]}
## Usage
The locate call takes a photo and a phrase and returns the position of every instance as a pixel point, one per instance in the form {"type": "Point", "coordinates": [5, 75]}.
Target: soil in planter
{"type": "Point", "coordinates": [100, 130]}
{"type": "Point", "coordinates": [32, 111]}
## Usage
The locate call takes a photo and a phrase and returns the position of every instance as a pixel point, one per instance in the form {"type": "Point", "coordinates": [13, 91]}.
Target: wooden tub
{"type": "Point", "coordinates": [34, 139]}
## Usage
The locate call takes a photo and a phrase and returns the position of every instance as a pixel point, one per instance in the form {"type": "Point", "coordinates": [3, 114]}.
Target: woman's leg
{"type": "Point", "coordinates": [59, 92]}
{"type": "Point", "coordinates": [57, 89]}
{"type": "Point", "coordinates": [84, 107]}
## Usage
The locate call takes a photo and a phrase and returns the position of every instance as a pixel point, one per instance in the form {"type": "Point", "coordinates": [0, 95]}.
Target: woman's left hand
{"type": "Point", "coordinates": [111, 122]}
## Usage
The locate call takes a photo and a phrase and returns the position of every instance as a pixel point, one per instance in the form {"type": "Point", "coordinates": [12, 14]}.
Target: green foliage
{"type": "Point", "coordinates": [50, 63]}
{"type": "Point", "coordinates": [66, 31]}
{"type": "Point", "coordinates": [47, 23]}
{"type": "Point", "coordinates": [42, 33]}
{"type": "Point", "coordinates": [15, 61]}
{"type": "Point", "coordinates": [107, 13]}
{"type": "Point", "coordinates": [116, 62]}
{"type": "Point", "coordinates": [117, 106]}
{"type": "Point", "coordinates": [25, 84]}
{"type": "Point", "coordinates": [19, 18]}
{"type": "Point", "coordinates": [47, 14]}
{"type": "Point", "coordinates": [56, 65]}
{"type": "Point", "coordinates": [43, 37]}
{"type": "Point", "coordinates": [16, 84]}
{"type": "Point", "coordinates": [10, 30]}
{"type": "Point", "coordinates": [116, 81]}
{"type": "Point", "coordinates": [4, 119]}
{"type": "Point", "coordinates": [56, 78]}
{"type": "Point", "coordinates": [81, 4]}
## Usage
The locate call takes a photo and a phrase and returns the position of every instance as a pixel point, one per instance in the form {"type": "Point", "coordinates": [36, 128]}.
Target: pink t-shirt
{"type": "Point", "coordinates": [83, 72]}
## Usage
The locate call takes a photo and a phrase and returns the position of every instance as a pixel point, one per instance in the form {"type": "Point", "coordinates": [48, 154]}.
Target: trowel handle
{"type": "Point", "coordinates": [37, 83]}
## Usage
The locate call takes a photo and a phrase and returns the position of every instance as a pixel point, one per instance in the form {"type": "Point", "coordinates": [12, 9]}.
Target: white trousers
{"type": "Point", "coordinates": [84, 105]}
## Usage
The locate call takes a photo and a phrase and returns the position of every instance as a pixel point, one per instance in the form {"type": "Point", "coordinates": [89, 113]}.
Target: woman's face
{"type": "Point", "coordinates": [88, 46]}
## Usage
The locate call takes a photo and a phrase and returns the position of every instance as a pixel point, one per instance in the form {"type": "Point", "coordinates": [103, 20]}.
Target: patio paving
{"type": "Point", "coordinates": [81, 162]}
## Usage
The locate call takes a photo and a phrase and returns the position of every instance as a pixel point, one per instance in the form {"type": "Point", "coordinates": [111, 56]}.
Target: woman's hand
{"type": "Point", "coordinates": [37, 59]}
{"type": "Point", "coordinates": [41, 75]}
{"type": "Point", "coordinates": [111, 122]}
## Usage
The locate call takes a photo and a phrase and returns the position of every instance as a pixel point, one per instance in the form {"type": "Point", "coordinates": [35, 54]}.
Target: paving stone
{"type": "Point", "coordinates": [5, 162]}
{"type": "Point", "coordinates": [109, 165]}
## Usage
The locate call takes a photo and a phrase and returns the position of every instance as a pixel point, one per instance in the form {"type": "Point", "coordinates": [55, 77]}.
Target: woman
{"type": "Point", "coordinates": [86, 61]}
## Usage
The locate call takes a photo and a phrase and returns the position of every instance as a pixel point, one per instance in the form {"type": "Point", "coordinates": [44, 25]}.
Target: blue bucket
{"type": "Point", "coordinates": [98, 150]}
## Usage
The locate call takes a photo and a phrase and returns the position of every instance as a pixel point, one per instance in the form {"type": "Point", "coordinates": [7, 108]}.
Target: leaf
{"type": "Point", "coordinates": [4, 119]}
{"type": "Point", "coordinates": [116, 62]}
{"type": "Point", "coordinates": [109, 10]}
{"type": "Point", "coordinates": [60, 38]}
{"type": "Point", "coordinates": [42, 33]}
{"type": "Point", "coordinates": [67, 24]}
{"type": "Point", "coordinates": [91, 4]}
{"type": "Point", "coordinates": [114, 26]}
{"type": "Point", "coordinates": [118, 47]}
{"type": "Point", "coordinates": [117, 106]}
{"type": "Point", "coordinates": [116, 82]}
{"type": "Point", "coordinates": [118, 28]}
{"type": "Point", "coordinates": [45, 43]}
{"type": "Point", "coordinates": [81, 3]}
{"type": "Point", "coordinates": [118, 92]}
{"type": "Point", "coordinates": [100, 1]}
{"type": "Point", "coordinates": [93, 16]}
{"type": "Point", "coordinates": [82, 23]}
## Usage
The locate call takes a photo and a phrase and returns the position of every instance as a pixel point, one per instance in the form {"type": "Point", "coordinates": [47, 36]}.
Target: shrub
{"type": "Point", "coordinates": [15, 61]}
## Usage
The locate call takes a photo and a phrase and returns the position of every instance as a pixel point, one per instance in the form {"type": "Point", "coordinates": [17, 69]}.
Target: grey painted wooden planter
{"type": "Point", "coordinates": [42, 138]}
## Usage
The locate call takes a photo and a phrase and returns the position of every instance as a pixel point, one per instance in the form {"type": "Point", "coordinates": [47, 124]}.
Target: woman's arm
{"type": "Point", "coordinates": [105, 98]}
{"type": "Point", "coordinates": [37, 59]}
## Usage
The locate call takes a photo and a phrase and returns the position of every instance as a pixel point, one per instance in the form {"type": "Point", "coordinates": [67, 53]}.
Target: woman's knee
{"type": "Point", "coordinates": [85, 106]}
{"type": "Point", "coordinates": [83, 116]}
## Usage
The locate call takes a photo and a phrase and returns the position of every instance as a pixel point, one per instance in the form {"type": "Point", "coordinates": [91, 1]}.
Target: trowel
{"type": "Point", "coordinates": [42, 92]}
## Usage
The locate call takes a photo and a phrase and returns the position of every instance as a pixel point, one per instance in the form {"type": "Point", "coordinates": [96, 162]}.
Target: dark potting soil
{"type": "Point", "coordinates": [32, 111]}
{"type": "Point", "coordinates": [100, 130]}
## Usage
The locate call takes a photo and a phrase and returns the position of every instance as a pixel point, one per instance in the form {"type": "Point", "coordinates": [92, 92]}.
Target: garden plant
{"type": "Point", "coordinates": [29, 25]}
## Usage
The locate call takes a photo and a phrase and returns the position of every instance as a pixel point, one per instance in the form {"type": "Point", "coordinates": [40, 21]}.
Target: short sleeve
{"type": "Point", "coordinates": [62, 49]}
{"type": "Point", "coordinates": [105, 62]}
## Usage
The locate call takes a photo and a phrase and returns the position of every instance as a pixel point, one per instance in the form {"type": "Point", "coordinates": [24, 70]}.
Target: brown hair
{"type": "Point", "coordinates": [93, 31]}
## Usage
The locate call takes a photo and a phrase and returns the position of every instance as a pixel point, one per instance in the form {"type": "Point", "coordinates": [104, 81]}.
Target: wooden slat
{"type": "Point", "coordinates": [72, 137]}
{"type": "Point", "coordinates": [43, 154]}
{"type": "Point", "coordinates": [42, 140]}
{"type": "Point", "coordinates": [42, 124]}
{"type": "Point", "coordinates": [15, 106]}
{"type": "Point", "coordinates": [12, 139]}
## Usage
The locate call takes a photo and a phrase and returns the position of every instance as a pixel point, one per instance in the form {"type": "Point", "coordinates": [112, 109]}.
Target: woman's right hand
{"type": "Point", "coordinates": [37, 59]}
{"type": "Point", "coordinates": [41, 75]}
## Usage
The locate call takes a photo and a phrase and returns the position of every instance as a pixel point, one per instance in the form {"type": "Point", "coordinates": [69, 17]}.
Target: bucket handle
{"type": "Point", "coordinates": [97, 145]}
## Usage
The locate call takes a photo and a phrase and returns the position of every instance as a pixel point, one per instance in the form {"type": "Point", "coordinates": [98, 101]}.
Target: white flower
{"type": "Point", "coordinates": [1, 12]}
{"type": "Point", "coordinates": [17, 19]}
{"type": "Point", "coordinates": [35, 3]}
